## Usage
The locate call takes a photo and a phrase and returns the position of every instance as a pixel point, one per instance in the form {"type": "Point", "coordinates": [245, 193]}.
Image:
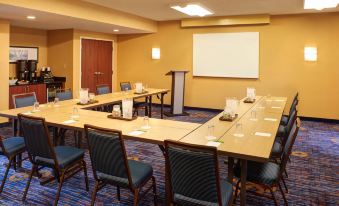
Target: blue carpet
{"type": "Point", "coordinates": [313, 172]}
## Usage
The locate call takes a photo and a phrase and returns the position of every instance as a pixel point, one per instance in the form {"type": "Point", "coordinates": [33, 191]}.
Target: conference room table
{"type": "Point", "coordinates": [255, 144]}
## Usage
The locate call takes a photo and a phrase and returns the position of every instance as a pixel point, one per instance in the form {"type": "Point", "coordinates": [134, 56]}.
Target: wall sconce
{"type": "Point", "coordinates": [155, 53]}
{"type": "Point", "coordinates": [310, 54]}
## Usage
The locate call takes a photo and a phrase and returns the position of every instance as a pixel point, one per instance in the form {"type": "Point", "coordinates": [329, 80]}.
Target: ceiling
{"type": "Point", "coordinates": [160, 10]}
{"type": "Point", "coordinates": [51, 21]}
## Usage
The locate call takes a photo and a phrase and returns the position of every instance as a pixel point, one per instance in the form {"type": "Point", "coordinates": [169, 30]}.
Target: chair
{"type": "Point", "coordinates": [11, 147]}
{"type": "Point", "coordinates": [193, 175]}
{"type": "Point", "coordinates": [284, 119]}
{"type": "Point", "coordinates": [103, 89]}
{"type": "Point", "coordinates": [24, 100]}
{"type": "Point", "coordinates": [269, 174]}
{"type": "Point", "coordinates": [64, 94]}
{"type": "Point", "coordinates": [110, 164]}
{"type": "Point", "coordinates": [64, 160]}
{"type": "Point", "coordinates": [126, 86]}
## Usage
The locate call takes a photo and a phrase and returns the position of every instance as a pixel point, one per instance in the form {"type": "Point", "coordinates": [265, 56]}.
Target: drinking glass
{"type": "Point", "coordinates": [146, 123]}
{"type": "Point", "coordinates": [116, 112]}
{"type": "Point", "coordinates": [238, 130]}
{"type": "Point", "coordinates": [36, 107]}
{"type": "Point", "coordinates": [210, 132]}
{"type": "Point", "coordinates": [91, 96]}
{"type": "Point", "coordinates": [75, 113]}
{"type": "Point", "coordinates": [56, 101]}
{"type": "Point", "coordinates": [254, 115]}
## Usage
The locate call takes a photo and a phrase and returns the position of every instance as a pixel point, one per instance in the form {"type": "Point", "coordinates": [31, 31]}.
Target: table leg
{"type": "Point", "coordinates": [230, 164]}
{"type": "Point", "coordinates": [146, 108]}
{"type": "Point", "coordinates": [162, 105]}
{"type": "Point", "coordinates": [150, 107]}
{"type": "Point", "coordinates": [243, 182]}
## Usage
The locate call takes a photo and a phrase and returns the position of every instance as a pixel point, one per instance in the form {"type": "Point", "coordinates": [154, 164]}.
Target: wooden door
{"type": "Point", "coordinates": [96, 63]}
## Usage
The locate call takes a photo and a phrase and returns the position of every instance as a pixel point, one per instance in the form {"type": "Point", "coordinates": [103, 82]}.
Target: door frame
{"type": "Point", "coordinates": [113, 58]}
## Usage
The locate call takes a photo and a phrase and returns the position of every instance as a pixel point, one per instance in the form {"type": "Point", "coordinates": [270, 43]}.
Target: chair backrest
{"type": "Point", "coordinates": [36, 136]}
{"type": "Point", "coordinates": [107, 152]}
{"type": "Point", "coordinates": [64, 94]}
{"type": "Point", "coordinates": [193, 172]}
{"type": "Point", "coordinates": [24, 100]}
{"type": "Point", "coordinates": [103, 89]}
{"type": "Point", "coordinates": [125, 86]}
{"type": "Point", "coordinates": [287, 150]}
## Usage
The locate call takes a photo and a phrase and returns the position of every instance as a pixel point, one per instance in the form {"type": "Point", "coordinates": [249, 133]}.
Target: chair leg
{"type": "Point", "coordinates": [285, 171]}
{"type": "Point", "coordinates": [118, 193]}
{"type": "Point", "coordinates": [15, 162]}
{"type": "Point", "coordinates": [95, 192]}
{"type": "Point", "coordinates": [283, 194]}
{"type": "Point", "coordinates": [154, 191]}
{"type": "Point", "coordinates": [29, 181]}
{"type": "Point", "coordinates": [273, 196]}
{"type": "Point", "coordinates": [20, 160]}
{"type": "Point", "coordinates": [236, 191]}
{"type": "Point", "coordinates": [85, 173]}
{"type": "Point", "coordinates": [136, 197]}
{"type": "Point", "coordinates": [6, 173]}
{"type": "Point", "coordinates": [283, 180]}
{"type": "Point", "coordinates": [59, 188]}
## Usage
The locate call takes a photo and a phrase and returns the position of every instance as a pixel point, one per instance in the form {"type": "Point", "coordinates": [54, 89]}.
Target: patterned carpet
{"type": "Point", "coordinates": [313, 172]}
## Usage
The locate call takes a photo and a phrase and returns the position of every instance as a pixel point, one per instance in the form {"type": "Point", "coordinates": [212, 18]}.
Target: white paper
{"type": "Point", "coordinates": [279, 100]}
{"type": "Point", "coordinates": [136, 133]}
{"type": "Point", "coordinates": [213, 144]}
{"type": "Point", "coordinates": [209, 138]}
{"type": "Point", "coordinates": [276, 107]}
{"type": "Point", "coordinates": [69, 121]}
{"type": "Point", "coordinates": [270, 119]}
{"type": "Point", "coordinates": [27, 113]}
{"type": "Point", "coordinates": [263, 134]}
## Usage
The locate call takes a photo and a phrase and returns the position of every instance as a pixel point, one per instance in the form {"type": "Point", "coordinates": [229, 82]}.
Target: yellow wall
{"type": "Point", "coordinates": [4, 59]}
{"type": "Point", "coordinates": [32, 38]}
{"type": "Point", "coordinates": [60, 54]}
{"type": "Point", "coordinates": [78, 34]}
{"type": "Point", "coordinates": [283, 70]}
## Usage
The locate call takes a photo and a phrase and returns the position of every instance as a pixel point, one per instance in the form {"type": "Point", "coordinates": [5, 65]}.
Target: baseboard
{"type": "Point", "coordinates": [316, 119]}
{"type": "Point", "coordinates": [188, 107]}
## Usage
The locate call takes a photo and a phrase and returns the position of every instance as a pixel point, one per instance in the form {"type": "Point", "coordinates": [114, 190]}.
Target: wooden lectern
{"type": "Point", "coordinates": [178, 93]}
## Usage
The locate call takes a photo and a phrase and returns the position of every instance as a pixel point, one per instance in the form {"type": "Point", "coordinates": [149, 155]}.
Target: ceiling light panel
{"type": "Point", "coordinates": [193, 10]}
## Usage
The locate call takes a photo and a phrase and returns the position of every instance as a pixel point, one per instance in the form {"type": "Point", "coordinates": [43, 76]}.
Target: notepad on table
{"type": "Point", "coordinates": [213, 144]}
{"type": "Point", "coordinates": [263, 134]}
{"type": "Point", "coordinates": [270, 119]}
{"type": "Point", "coordinates": [136, 133]}
{"type": "Point", "coordinates": [69, 121]}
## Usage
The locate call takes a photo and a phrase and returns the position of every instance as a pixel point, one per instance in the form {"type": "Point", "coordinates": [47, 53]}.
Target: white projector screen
{"type": "Point", "coordinates": [226, 55]}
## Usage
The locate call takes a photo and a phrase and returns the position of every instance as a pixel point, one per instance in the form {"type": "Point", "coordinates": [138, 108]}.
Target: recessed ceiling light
{"type": "Point", "coordinates": [31, 17]}
{"type": "Point", "coordinates": [193, 10]}
{"type": "Point", "coordinates": [320, 4]}
{"type": "Point", "coordinates": [116, 30]}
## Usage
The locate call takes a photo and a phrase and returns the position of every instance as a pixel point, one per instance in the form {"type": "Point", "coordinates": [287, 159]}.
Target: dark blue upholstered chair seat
{"type": "Point", "coordinates": [226, 192]}
{"type": "Point", "coordinates": [264, 173]}
{"type": "Point", "coordinates": [65, 155]}
{"type": "Point", "coordinates": [276, 149]}
{"type": "Point", "coordinates": [66, 95]}
{"type": "Point", "coordinates": [284, 120]}
{"type": "Point", "coordinates": [103, 90]}
{"type": "Point", "coordinates": [140, 173]}
{"type": "Point", "coordinates": [13, 145]}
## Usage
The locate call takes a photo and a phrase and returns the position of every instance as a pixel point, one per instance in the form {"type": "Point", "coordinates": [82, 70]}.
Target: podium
{"type": "Point", "coordinates": [178, 93]}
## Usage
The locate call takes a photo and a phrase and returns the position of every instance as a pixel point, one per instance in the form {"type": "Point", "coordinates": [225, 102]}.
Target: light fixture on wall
{"type": "Point", "coordinates": [155, 53]}
{"type": "Point", "coordinates": [310, 54]}
{"type": "Point", "coordinates": [116, 30]}
{"type": "Point", "coordinates": [320, 4]}
{"type": "Point", "coordinates": [192, 10]}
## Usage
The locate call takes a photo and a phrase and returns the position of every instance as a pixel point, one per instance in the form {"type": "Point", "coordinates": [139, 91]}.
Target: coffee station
{"type": "Point", "coordinates": [43, 83]}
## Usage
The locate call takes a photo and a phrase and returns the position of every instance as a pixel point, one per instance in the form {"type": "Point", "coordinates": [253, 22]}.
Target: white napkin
{"type": "Point", "coordinates": [213, 144]}
{"type": "Point", "coordinates": [270, 119]}
{"type": "Point", "coordinates": [211, 138]}
{"type": "Point", "coordinates": [69, 121]}
{"type": "Point", "coordinates": [279, 100]}
{"type": "Point", "coordinates": [136, 133]}
{"type": "Point", "coordinates": [27, 113]}
{"type": "Point", "coordinates": [263, 134]}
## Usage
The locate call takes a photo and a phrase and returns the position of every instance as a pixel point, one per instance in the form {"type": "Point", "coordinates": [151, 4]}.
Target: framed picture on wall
{"type": "Point", "coordinates": [23, 53]}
